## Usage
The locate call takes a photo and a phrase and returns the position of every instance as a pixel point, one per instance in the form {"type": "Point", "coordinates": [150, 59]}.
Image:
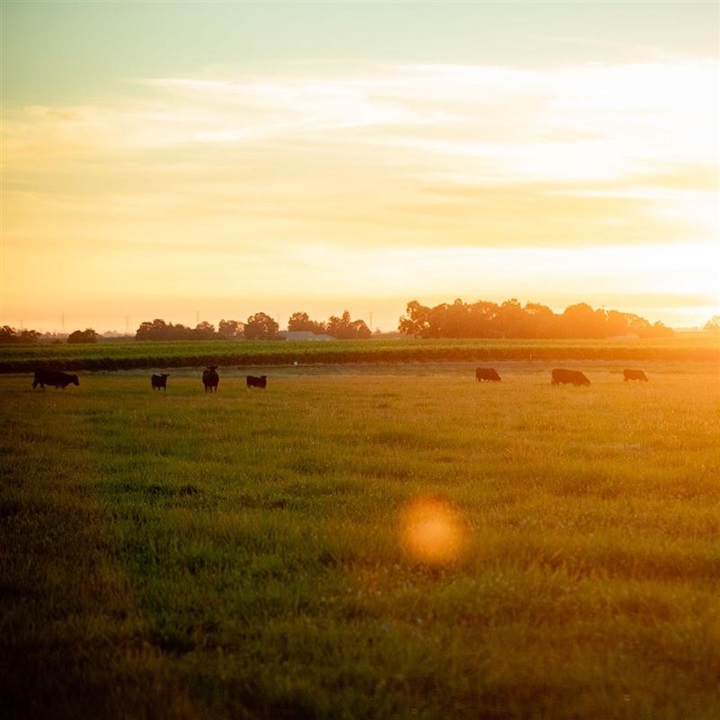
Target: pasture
{"type": "Point", "coordinates": [363, 541]}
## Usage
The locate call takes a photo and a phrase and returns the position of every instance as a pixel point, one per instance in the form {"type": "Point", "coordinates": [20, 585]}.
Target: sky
{"type": "Point", "coordinates": [205, 160]}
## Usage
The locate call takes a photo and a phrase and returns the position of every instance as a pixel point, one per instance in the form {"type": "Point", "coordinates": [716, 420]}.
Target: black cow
{"type": "Point", "coordinates": [634, 375]}
{"type": "Point", "coordinates": [258, 382]}
{"type": "Point", "coordinates": [570, 377]}
{"type": "Point", "coordinates": [210, 378]}
{"type": "Point", "coordinates": [159, 381]}
{"type": "Point", "coordinates": [55, 378]}
{"type": "Point", "coordinates": [486, 374]}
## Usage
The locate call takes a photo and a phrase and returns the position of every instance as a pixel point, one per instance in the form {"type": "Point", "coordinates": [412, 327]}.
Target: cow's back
{"type": "Point", "coordinates": [634, 375]}
{"type": "Point", "coordinates": [54, 378]}
{"type": "Point", "coordinates": [561, 376]}
{"type": "Point", "coordinates": [489, 374]}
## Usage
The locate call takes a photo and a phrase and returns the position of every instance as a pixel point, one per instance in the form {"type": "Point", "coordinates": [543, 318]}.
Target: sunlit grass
{"type": "Point", "coordinates": [243, 553]}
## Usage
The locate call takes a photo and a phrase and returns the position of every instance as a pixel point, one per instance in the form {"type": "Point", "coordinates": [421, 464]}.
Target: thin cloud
{"type": "Point", "coordinates": [274, 176]}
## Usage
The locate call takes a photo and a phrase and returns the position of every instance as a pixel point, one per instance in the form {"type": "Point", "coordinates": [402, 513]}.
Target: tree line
{"type": "Point", "coordinates": [510, 319]}
{"type": "Point", "coordinates": [482, 319]}
{"type": "Point", "coordinates": [11, 336]}
{"type": "Point", "coordinates": [259, 326]}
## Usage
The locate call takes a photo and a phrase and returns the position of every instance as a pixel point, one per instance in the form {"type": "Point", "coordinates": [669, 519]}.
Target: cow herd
{"type": "Point", "coordinates": [211, 379]}
{"type": "Point", "coordinates": [559, 376]}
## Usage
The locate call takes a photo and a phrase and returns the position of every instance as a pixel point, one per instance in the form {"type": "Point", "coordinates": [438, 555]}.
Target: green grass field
{"type": "Point", "coordinates": [363, 541]}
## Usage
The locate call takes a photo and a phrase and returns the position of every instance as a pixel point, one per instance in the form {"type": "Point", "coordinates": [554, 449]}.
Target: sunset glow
{"type": "Point", "coordinates": [271, 157]}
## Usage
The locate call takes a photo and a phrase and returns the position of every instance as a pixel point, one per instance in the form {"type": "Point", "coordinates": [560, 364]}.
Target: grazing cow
{"type": "Point", "coordinates": [571, 377]}
{"type": "Point", "coordinates": [634, 375]}
{"type": "Point", "coordinates": [159, 381]}
{"type": "Point", "coordinates": [258, 382]}
{"type": "Point", "coordinates": [210, 378]}
{"type": "Point", "coordinates": [490, 374]}
{"type": "Point", "coordinates": [54, 377]}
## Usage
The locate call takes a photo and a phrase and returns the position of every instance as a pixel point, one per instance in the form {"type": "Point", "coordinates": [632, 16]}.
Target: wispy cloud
{"type": "Point", "coordinates": [657, 109]}
{"type": "Point", "coordinates": [302, 178]}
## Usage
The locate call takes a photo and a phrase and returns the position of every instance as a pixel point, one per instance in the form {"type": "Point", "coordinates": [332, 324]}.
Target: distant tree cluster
{"type": "Point", "coordinates": [10, 336]}
{"type": "Point", "coordinates": [161, 330]}
{"type": "Point", "coordinates": [259, 326]}
{"type": "Point", "coordinates": [713, 325]}
{"type": "Point", "coordinates": [510, 319]}
{"type": "Point", "coordinates": [341, 328]}
{"type": "Point", "coordinates": [80, 337]}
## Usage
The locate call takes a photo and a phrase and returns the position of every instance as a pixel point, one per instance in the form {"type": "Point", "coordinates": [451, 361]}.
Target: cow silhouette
{"type": "Point", "coordinates": [210, 378]}
{"type": "Point", "coordinates": [560, 376]}
{"type": "Point", "coordinates": [485, 374]}
{"type": "Point", "coordinates": [54, 378]}
{"type": "Point", "coordinates": [634, 375]}
{"type": "Point", "coordinates": [159, 381]}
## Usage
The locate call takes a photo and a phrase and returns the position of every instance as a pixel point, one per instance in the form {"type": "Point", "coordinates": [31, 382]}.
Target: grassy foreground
{"type": "Point", "coordinates": [388, 542]}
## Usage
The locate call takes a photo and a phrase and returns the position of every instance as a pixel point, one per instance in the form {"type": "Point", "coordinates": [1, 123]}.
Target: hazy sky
{"type": "Point", "coordinates": [208, 160]}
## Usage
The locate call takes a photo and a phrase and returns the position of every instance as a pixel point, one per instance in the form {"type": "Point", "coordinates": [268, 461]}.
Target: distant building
{"type": "Point", "coordinates": [303, 335]}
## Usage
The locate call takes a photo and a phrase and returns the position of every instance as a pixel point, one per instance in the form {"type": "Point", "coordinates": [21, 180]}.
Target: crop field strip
{"type": "Point", "coordinates": [115, 356]}
{"type": "Point", "coordinates": [243, 554]}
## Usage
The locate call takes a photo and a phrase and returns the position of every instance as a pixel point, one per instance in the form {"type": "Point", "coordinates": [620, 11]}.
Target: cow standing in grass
{"type": "Point", "coordinates": [483, 374]}
{"type": "Point", "coordinates": [255, 381]}
{"type": "Point", "coordinates": [210, 378]}
{"type": "Point", "coordinates": [55, 378]}
{"type": "Point", "coordinates": [561, 376]}
{"type": "Point", "coordinates": [159, 381]}
{"type": "Point", "coordinates": [634, 375]}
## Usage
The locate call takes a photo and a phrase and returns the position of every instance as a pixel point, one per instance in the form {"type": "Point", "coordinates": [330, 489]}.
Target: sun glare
{"type": "Point", "coordinates": [432, 532]}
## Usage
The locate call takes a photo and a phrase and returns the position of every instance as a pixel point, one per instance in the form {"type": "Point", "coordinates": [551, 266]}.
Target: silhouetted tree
{"type": "Point", "coordinates": [260, 327]}
{"type": "Point", "coordinates": [360, 329]}
{"type": "Point", "coordinates": [10, 336]}
{"type": "Point", "coordinates": [511, 319]}
{"type": "Point", "coordinates": [540, 322]}
{"type": "Point", "coordinates": [160, 330]}
{"type": "Point", "coordinates": [658, 329]}
{"type": "Point", "coordinates": [155, 330]}
{"type": "Point", "coordinates": [230, 328]}
{"type": "Point", "coordinates": [713, 325]}
{"type": "Point", "coordinates": [416, 321]}
{"type": "Point", "coordinates": [344, 328]}
{"type": "Point", "coordinates": [486, 319]}
{"type": "Point", "coordinates": [204, 331]}
{"type": "Point", "coordinates": [581, 321]}
{"type": "Point", "coordinates": [301, 322]}
{"type": "Point", "coordinates": [83, 336]}
{"type": "Point", "coordinates": [482, 319]}
{"type": "Point", "coordinates": [616, 324]}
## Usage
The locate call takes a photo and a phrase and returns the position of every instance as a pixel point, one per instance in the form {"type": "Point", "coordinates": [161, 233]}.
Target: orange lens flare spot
{"type": "Point", "coordinates": [431, 531]}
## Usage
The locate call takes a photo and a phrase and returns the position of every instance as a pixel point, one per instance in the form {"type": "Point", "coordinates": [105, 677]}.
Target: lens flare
{"type": "Point", "coordinates": [432, 531]}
